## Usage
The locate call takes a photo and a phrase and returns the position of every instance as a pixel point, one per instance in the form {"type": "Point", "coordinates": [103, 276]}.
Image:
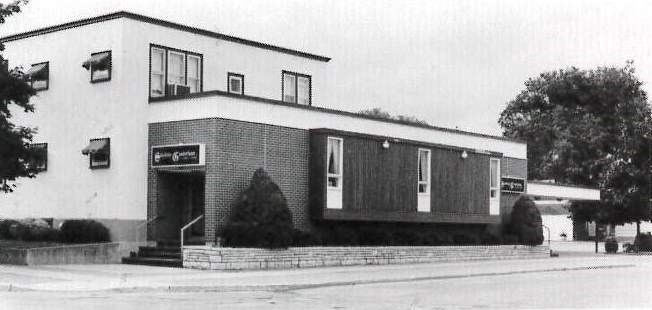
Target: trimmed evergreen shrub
{"type": "Point", "coordinates": [465, 238]}
{"type": "Point", "coordinates": [435, 238]}
{"type": "Point", "coordinates": [260, 218]}
{"type": "Point", "coordinates": [526, 222]}
{"type": "Point", "coordinates": [372, 235]}
{"type": "Point", "coordinates": [490, 239]}
{"type": "Point", "coordinates": [302, 239]}
{"type": "Point", "coordinates": [643, 242]}
{"type": "Point", "coordinates": [5, 228]}
{"type": "Point", "coordinates": [510, 239]}
{"type": "Point", "coordinates": [404, 237]}
{"type": "Point", "coordinates": [611, 245]}
{"type": "Point", "coordinates": [84, 231]}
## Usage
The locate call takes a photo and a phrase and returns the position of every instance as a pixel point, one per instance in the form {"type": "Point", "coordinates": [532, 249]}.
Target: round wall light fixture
{"type": "Point", "coordinates": [464, 155]}
{"type": "Point", "coordinates": [386, 144]}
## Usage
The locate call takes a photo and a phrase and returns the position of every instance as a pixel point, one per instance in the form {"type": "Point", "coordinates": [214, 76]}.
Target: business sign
{"type": "Point", "coordinates": [181, 155]}
{"type": "Point", "coordinates": [516, 185]}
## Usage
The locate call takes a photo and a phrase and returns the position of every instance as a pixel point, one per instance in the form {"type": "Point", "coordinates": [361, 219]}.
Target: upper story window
{"type": "Point", "coordinates": [39, 160]}
{"type": "Point", "coordinates": [100, 66]}
{"type": "Point", "coordinates": [174, 72]}
{"type": "Point", "coordinates": [424, 172]}
{"type": "Point", "coordinates": [235, 83]}
{"type": "Point", "coordinates": [39, 76]}
{"type": "Point", "coordinates": [296, 88]}
{"type": "Point", "coordinates": [334, 162]}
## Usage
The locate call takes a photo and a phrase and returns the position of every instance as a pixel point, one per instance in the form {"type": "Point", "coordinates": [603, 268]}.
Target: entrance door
{"type": "Point", "coordinates": [180, 200]}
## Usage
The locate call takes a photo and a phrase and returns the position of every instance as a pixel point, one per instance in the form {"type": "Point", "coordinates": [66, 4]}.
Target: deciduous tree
{"type": "Point", "coordinates": [588, 127]}
{"type": "Point", "coordinates": [15, 153]}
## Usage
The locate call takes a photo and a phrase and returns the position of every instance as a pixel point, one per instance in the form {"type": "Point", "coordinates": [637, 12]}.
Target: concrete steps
{"type": "Point", "coordinates": [164, 254]}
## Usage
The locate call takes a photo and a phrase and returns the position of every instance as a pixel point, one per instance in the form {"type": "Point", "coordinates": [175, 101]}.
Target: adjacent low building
{"type": "Point", "coordinates": [149, 124]}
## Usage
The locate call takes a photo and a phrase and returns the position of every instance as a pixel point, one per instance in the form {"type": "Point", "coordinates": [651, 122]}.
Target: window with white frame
{"type": "Point", "coordinates": [176, 68]}
{"type": "Point", "coordinates": [296, 88]}
{"type": "Point", "coordinates": [157, 68]}
{"type": "Point", "coordinates": [174, 72]}
{"type": "Point", "coordinates": [424, 172]}
{"type": "Point", "coordinates": [494, 186]}
{"type": "Point", "coordinates": [334, 162]}
{"type": "Point", "coordinates": [194, 73]}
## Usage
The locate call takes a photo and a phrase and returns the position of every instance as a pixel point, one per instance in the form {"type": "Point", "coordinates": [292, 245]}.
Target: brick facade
{"type": "Point", "coordinates": [234, 150]}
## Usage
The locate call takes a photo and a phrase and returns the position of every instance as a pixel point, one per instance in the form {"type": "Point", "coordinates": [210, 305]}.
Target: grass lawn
{"type": "Point", "coordinates": [18, 244]}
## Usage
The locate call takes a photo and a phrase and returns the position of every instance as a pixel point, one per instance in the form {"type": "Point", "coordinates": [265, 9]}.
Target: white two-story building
{"type": "Point", "coordinates": [149, 124]}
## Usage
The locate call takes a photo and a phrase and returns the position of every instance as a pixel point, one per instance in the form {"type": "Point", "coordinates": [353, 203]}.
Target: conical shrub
{"type": "Point", "coordinates": [526, 222]}
{"type": "Point", "coordinates": [260, 218]}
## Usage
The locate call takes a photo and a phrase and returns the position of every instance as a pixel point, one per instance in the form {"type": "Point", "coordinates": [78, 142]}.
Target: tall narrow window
{"type": "Point", "coordinates": [176, 68]}
{"type": "Point", "coordinates": [289, 88]}
{"type": "Point", "coordinates": [334, 162]}
{"type": "Point", "coordinates": [424, 172]}
{"type": "Point", "coordinates": [296, 88]}
{"type": "Point", "coordinates": [194, 73]}
{"type": "Point", "coordinates": [494, 186]}
{"type": "Point", "coordinates": [157, 79]}
{"type": "Point", "coordinates": [303, 90]}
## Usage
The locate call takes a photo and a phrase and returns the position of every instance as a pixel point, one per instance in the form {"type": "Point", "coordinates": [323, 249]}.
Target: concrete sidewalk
{"type": "Point", "coordinates": [130, 278]}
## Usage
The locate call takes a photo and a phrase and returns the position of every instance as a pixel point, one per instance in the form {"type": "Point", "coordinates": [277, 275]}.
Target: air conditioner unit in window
{"type": "Point", "coordinates": [178, 90]}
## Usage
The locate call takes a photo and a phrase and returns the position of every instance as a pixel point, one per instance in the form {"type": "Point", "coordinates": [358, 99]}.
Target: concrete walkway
{"type": "Point", "coordinates": [130, 278]}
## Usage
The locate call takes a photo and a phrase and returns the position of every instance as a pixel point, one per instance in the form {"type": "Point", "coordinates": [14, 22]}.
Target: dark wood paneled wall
{"type": "Point", "coordinates": [381, 184]}
{"type": "Point", "coordinates": [459, 185]}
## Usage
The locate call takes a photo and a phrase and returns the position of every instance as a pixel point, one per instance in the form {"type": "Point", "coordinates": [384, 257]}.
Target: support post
{"type": "Point", "coordinates": [596, 237]}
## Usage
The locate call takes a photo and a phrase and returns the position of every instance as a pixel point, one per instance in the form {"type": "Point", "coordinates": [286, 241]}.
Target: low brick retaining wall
{"type": "Point", "coordinates": [203, 257]}
{"type": "Point", "coordinates": [96, 253]}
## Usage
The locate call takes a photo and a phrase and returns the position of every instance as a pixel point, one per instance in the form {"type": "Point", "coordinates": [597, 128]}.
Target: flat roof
{"type": "Point", "coordinates": [212, 93]}
{"type": "Point", "coordinates": [164, 23]}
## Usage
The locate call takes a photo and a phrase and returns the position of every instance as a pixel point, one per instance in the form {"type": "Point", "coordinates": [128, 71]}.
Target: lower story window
{"type": "Point", "coordinates": [39, 159]}
{"type": "Point", "coordinates": [494, 186]}
{"type": "Point", "coordinates": [334, 162]}
{"type": "Point", "coordinates": [99, 152]}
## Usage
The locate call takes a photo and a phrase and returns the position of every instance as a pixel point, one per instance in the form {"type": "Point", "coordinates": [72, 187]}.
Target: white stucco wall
{"type": "Point", "coordinates": [557, 224]}
{"type": "Point", "coordinates": [261, 112]}
{"type": "Point", "coordinates": [261, 67]}
{"type": "Point", "coordinates": [71, 112]}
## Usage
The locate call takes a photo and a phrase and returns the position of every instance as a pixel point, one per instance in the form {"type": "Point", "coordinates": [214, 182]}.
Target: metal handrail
{"type": "Point", "coordinates": [187, 226]}
{"type": "Point", "coordinates": [141, 224]}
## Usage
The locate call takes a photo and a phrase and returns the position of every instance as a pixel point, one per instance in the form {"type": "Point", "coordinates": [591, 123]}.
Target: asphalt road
{"type": "Point", "coordinates": [625, 286]}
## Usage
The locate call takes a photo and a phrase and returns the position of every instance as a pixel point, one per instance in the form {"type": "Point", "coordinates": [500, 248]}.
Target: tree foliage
{"type": "Point", "coordinates": [15, 154]}
{"type": "Point", "coordinates": [379, 113]}
{"type": "Point", "coordinates": [588, 127]}
{"type": "Point", "coordinates": [261, 217]}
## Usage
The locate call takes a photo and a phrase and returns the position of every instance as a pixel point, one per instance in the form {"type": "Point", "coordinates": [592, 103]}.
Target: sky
{"type": "Point", "coordinates": [454, 64]}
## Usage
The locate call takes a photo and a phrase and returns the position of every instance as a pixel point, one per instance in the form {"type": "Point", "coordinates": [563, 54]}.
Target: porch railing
{"type": "Point", "coordinates": [188, 226]}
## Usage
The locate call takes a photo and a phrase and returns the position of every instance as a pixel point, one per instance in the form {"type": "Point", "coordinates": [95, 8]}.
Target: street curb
{"type": "Point", "coordinates": [292, 287]}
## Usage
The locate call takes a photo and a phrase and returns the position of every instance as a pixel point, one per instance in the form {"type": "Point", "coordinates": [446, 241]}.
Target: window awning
{"type": "Point", "coordinates": [95, 146]}
{"type": "Point", "coordinates": [36, 70]}
{"type": "Point", "coordinates": [100, 59]}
